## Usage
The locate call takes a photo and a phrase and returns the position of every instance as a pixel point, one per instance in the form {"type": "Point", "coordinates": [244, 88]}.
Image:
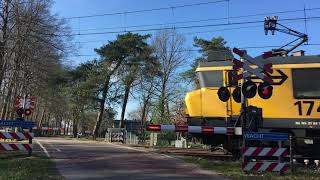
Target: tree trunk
{"type": "Point", "coordinates": [3, 62]}
{"type": "Point", "coordinates": [162, 100]}
{"type": "Point", "coordinates": [101, 108]}
{"type": "Point", "coordinates": [75, 128]}
{"type": "Point", "coordinates": [67, 129]}
{"type": "Point", "coordinates": [6, 102]}
{"type": "Point", "coordinates": [144, 109]}
{"type": "Point", "coordinates": [42, 117]}
{"type": "Point", "coordinates": [124, 104]}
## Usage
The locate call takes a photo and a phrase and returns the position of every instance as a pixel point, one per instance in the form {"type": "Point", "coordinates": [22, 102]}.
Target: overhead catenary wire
{"type": "Point", "coordinates": [185, 27]}
{"type": "Point", "coordinates": [197, 32]}
{"type": "Point", "coordinates": [222, 50]}
{"type": "Point", "coordinates": [147, 10]}
{"type": "Point", "coordinates": [205, 20]}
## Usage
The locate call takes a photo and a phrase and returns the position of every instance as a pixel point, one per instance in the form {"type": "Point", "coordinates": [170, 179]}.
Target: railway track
{"type": "Point", "coordinates": [218, 154]}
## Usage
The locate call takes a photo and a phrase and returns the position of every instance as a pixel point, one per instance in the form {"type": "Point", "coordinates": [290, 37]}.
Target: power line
{"type": "Point", "coordinates": [186, 27]}
{"type": "Point", "coordinates": [147, 10]}
{"type": "Point", "coordinates": [204, 20]}
{"type": "Point", "coordinates": [196, 32]}
{"type": "Point", "coordinates": [192, 50]}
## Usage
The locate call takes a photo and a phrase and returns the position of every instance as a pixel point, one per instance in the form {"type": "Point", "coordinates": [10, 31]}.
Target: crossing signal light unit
{"type": "Point", "coordinates": [27, 112]}
{"type": "Point", "coordinates": [249, 89]}
{"type": "Point", "coordinates": [20, 111]}
{"type": "Point", "coordinates": [224, 94]}
{"type": "Point", "coordinates": [236, 94]}
{"type": "Point", "coordinates": [265, 90]}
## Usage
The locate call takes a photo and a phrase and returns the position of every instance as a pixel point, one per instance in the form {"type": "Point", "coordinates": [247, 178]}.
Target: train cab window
{"type": "Point", "coordinates": [210, 78]}
{"type": "Point", "coordinates": [306, 83]}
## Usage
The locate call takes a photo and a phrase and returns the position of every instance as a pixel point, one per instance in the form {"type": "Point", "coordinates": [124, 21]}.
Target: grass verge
{"type": "Point", "coordinates": [231, 169]}
{"type": "Point", "coordinates": [17, 166]}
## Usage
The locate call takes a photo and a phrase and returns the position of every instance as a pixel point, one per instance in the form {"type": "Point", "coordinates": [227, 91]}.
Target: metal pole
{"type": "Point", "coordinates": [243, 117]}
{"type": "Point", "coordinates": [243, 111]}
{"type": "Point", "coordinates": [291, 155]}
{"type": "Point", "coordinates": [280, 157]}
{"type": "Point", "coordinates": [30, 143]}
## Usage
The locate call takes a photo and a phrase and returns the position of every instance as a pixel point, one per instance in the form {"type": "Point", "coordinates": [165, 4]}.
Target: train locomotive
{"type": "Point", "coordinates": [293, 108]}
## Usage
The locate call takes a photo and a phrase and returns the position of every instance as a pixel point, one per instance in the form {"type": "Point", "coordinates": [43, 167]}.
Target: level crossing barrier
{"type": "Point", "coordinates": [265, 165]}
{"type": "Point", "coordinates": [49, 130]}
{"type": "Point", "coordinates": [191, 129]}
{"type": "Point", "coordinates": [265, 159]}
{"type": "Point", "coordinates": [18, 136]}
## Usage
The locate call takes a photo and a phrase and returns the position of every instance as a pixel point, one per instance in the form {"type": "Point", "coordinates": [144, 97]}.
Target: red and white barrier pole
{"type": "Point", "coordinates": [191, 129]}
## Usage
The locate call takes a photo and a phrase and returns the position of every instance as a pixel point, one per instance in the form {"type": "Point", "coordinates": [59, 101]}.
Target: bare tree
{"type": "Point", "coordinates": [169, 47]}
{"type": "Point", "coordinates": [32, 44]}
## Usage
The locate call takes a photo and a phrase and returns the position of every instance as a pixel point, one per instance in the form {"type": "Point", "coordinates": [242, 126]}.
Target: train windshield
{"type": "Point", "coordinates": [306, 83]}
{"type": "Point", "coordinates": [210, 78]}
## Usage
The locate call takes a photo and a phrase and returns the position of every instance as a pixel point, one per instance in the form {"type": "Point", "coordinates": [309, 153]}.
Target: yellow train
{"type": "Point", "coordinates": [294, 106]}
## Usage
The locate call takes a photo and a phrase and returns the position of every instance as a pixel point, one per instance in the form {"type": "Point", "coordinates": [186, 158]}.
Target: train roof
{"type": "Point", "coordinates": [280, 62]}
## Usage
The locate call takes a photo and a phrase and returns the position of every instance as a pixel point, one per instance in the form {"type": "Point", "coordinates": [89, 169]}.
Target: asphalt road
{"type": "Point", "coordinates": [82, 160]}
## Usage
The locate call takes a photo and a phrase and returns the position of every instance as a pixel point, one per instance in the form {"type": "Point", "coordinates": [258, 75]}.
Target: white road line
{"type": "Point", "coordinates": [44, 149]}
{"type": "Point", "coordinates": [126, 147]}
{"type": "Point", "coordinates": [52, 146]}
{"type": "Point", "coordinates": [170, 157]}
{"type": "Point", "coordinates": [141, 150]}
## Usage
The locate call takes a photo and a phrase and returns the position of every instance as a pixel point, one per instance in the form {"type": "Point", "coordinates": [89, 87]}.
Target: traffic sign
{"type": "Point", "coordinates": [261, 71]}
{"type": "Point", "coordinates": [266, 67]}
{"type": "Point", "coordinates": [16, 123]}
{"type": "Point", "coordinates": [18, 102]}
{"type": "Point", "coordinates": [266, 136]}
{"type": "Point", "coordinates": [30, 103]}
{"type": "Point", "coordinates": [282, 77]}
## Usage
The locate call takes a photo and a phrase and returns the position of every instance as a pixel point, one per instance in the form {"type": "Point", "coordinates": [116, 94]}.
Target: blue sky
{"type": "Point", "coordinates": [238, 36]}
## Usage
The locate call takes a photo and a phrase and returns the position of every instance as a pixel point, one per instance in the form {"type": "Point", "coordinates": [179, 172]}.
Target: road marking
{"type": "Point", "coordinates": [52, 146]}
{"type": "Point", "coordinates": [141, 150]}
{"type": "Point", "coordinates": [44, 149]}
{"type": "Point", "coordinates": [130, 148]}
{"type": "Point", "coordinates": [170, 157]}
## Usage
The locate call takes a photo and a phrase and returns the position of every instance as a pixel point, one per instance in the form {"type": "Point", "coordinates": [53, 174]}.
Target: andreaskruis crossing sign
{"type": "Point", "coordinates": [260, 71]}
